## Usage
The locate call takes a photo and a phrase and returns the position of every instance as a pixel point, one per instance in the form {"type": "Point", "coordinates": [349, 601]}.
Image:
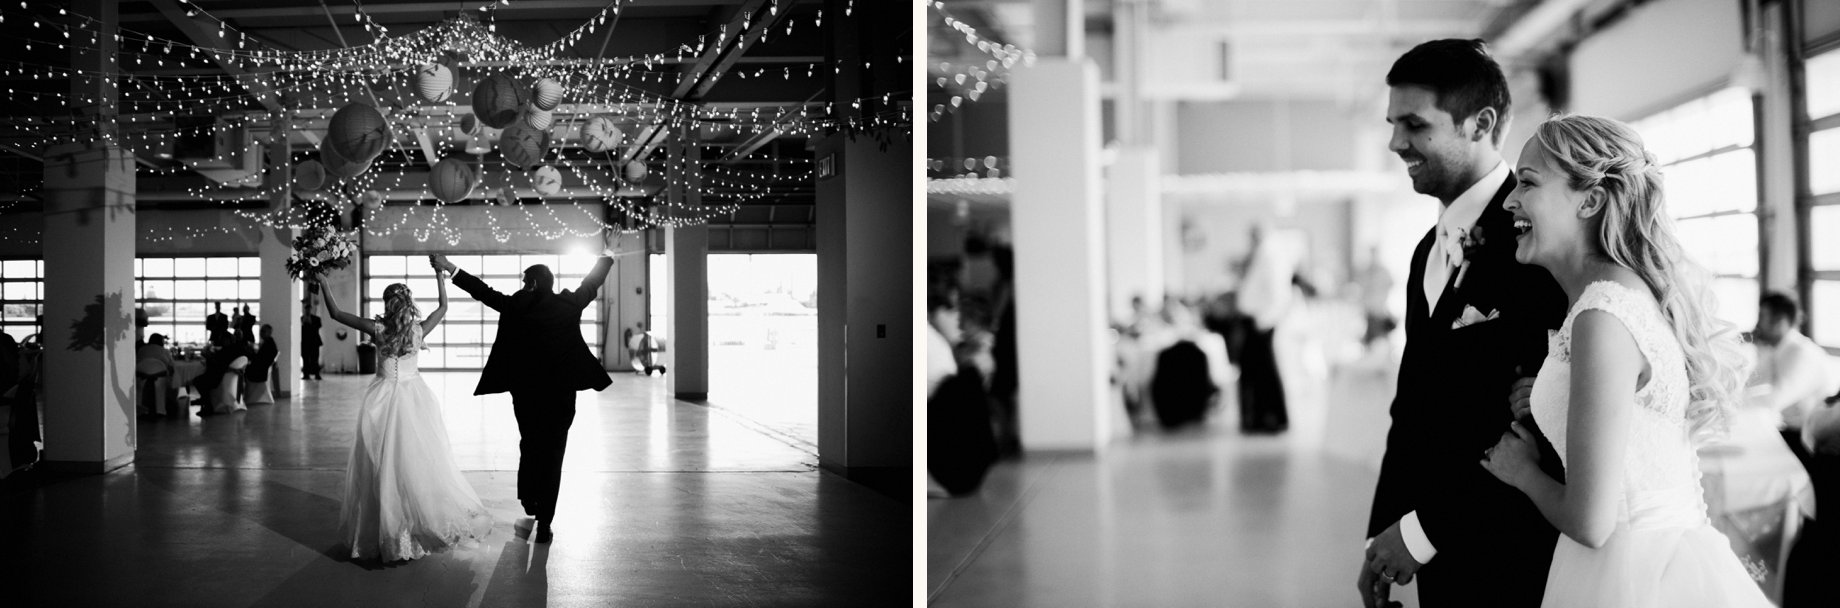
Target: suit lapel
{"type": "Point", "coordinates": [1494, 222]}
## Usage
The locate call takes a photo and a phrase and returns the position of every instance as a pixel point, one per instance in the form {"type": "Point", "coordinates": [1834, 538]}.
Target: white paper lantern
{"type": "Point", "coordinates": [546, 93]}
{"type": "Point", "coordinates": [538, 117]}
{"type": "Point", "coordinates": [635, 170]}
{"type": "Point", "coordinates": [434, 82]}
{"type": "Point", "coordinates": [370, 200]}
{"type": "Point", "coordinates": [601, 135]}
{"type": "Point", "coordinates": [547, 180]}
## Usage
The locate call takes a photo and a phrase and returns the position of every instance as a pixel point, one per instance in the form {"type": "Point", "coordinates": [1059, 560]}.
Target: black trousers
{"type": "Point", "coordinates": [543, 417]}
{"type": "Point", "coordinates": [1261, 391]}
{"type": "Point", "coordinates": [309, 361]}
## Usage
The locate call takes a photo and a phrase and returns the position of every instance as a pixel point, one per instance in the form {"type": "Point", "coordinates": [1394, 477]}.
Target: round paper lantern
{"type": "Point", "coordinates": [434, 82]}
{"type": "Point", "coordinates": [505, 197]}
{"type": "Point", "coordinates": [370, 200]}
{"type": "Point", "coordinates": [358, 132]}
{"type": "Point", "coordinates": [635, 171]}
{"type": "Point", "coordinates": [546, 93]}
{"type": "Point", "coordinates": [496, 100]}
{"type": "Point", "coordinates": [538, 117]}
{"type": "Point", "coordinates": [337, 165]}
{"type": "Point", "coordinates": [309, 176]}
{"type": "Point", "coordinates": [523, 145]}
{"type": "Point", "coordinates": [601, 135]}
{"type": "Point", "coordinates": [547, 180]}
{"type": "Point", "coordinates": [451, 180]}
{"type": "Point", "coordinates": [469, 124]}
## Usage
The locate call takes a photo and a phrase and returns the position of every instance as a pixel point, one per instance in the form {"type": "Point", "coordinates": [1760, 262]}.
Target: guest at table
{"type": "Point", "coordinates": [1791, 377]}
{"type": "Point", "coordinates": [960, 446]}
{"type": "Point", "coordinates": [151, 363]}
{"type": "Point", "coordinates": [217, 360]}
{"type": "Point", "coordinates": [261, 364]}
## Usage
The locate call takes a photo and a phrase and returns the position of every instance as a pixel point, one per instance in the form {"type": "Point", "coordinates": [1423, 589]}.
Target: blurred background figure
{"type": "Point", "coordinates": [1793, 375]}
{"type": "Point", "coordinates": [1376, 286]}
{"type": "Point", "coordinates": [960, 443]}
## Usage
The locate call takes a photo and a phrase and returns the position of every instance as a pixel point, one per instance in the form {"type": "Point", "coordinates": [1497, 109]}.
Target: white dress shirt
{"type": "Point", "coordinates": [1460, 214]}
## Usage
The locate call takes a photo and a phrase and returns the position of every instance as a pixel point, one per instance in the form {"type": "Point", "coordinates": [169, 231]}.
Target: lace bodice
{"type": "Point", "coordinates": [400, 367]}
{"type": "Point", "coordinates": [1660, 469]}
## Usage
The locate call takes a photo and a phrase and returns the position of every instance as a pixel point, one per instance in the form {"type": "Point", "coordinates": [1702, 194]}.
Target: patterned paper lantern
{"type": "Point", "coordinates": [546, 93]}
{"type": "Point", "coordinates": [601, 135]}
{"type": "Point", "coordinates": [635, 170]}
{"type": "Point", "coordinates": [538, 117]}
{"type": "Point", "coordinates": [359, 132]}
{"type": "Point", "coordinates": [434, 82]}
{"type": "Point", "coordinates": [547, 180]}
{"type": "Point", "coordinates": [496, 100]}
{"type": "Point", "coordinates": [309, 176]}
{"type": "Point", "coordinates": [523, 145]}
{"type": "Point", "coordinates": [451, 180]}
{"type": "Point", "coordinates": [469, 124]}
{"type": "Point", "coordinates": [505, 197]}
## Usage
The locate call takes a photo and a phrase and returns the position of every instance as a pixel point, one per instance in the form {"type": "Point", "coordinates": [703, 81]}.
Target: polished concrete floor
{"type": "Point", "coordinates": [664, 503]}
{"type": "Point", "coordinates": [1203, 517]}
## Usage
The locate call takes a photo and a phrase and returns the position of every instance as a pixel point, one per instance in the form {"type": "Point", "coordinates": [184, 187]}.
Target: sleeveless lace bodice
{"type": "Point", "coordinates": [400, 367]}
{"type": "Point", "coordinates": [1660, 469]}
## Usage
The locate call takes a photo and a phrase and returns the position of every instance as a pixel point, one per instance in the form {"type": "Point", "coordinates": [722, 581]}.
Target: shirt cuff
{"type": "Point", "coordinates": [1416, 541]}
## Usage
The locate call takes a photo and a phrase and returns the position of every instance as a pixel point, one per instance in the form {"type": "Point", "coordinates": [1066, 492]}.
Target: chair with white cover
{"type": "Point", "coordinates": [257, 392]}
{"type": "Point", "coordinates": [228, 396]}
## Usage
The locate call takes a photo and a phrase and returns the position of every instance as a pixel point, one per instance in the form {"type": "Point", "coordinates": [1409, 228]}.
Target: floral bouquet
{"type": "Point", "coordinates": [321, 249]}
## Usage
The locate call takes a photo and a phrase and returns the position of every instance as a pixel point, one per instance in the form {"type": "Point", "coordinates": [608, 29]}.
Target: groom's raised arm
{"type": "Point", "coordinates": [591, 284]}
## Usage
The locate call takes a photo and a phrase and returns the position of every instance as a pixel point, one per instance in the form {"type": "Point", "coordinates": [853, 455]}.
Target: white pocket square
{"type": "Point", "coordinates": [1471, 316]}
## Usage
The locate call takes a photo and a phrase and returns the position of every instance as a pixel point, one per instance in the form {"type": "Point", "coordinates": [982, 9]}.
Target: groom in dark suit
{"type": "Point", "coordinates": [1476, 324]}
{"type": "Point", "coordinates": [540, 357]}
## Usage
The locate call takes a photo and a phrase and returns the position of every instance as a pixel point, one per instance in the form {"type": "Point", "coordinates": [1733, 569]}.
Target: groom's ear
{"type": "Point", "coordinates": [1488, 121]}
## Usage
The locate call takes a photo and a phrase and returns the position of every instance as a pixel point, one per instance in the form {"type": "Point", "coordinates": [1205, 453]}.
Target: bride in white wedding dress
{"type": "Point", "coordinates": [1639, 375]}
{"type": "Point", "coordinates": [404, 496]}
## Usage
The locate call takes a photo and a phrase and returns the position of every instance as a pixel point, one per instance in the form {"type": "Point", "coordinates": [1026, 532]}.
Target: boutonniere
{"type": "Point", "coordinates": [1467, 241]}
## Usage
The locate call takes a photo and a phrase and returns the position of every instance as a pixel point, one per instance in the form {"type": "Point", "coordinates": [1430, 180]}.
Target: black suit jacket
{"type": "Point", "coordinates": [539, 342]}
{"type": "Point", "coordinates": [1493, 546]}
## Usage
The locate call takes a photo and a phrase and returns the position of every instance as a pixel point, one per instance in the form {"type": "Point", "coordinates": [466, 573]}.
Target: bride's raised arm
{"type": "Point", "coordinates": [434, 318]}
{"type": "Point", "coordinates": [350, 320]}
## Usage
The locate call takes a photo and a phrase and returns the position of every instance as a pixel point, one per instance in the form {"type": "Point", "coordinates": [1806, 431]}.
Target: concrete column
{"type": "Point", "coordinates": [687, 252]}
{"type": "Point", "coordinates": [1134, 229]}
{"type": "Point", "coordinates": [89, 270]}
{"type": "Point", "coordinates": [1055, 218]}
{"type": "Point", "coordinates": [627, 293]}
{"type": "Point", "coordinates": [1776, 218]}
{"type": "Point", "coordinates": [866, 314]}
{"type": "Point", "coordinates": [281, 305]}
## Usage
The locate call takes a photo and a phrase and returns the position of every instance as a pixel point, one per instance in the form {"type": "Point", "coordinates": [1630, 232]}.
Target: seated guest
{"type": "Point", "coordinates": [960, 445]}
{"type": "Point", "coordinates": [1790, 379]}
{"type": "Point", "coordinates": [222, 356]}
{"type": "Point", "coordinates": [260, 364]}
{"type": "Point", "coordinates": [154, 368]}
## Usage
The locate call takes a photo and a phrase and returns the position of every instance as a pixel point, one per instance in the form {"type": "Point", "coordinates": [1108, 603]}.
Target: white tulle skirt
{"type": "Point", "coordinates": [1669, 567]}
{"type": "Point", "coordinates": [404, 495]}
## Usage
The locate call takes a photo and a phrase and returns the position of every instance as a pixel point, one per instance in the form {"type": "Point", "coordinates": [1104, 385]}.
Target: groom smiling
{"type": "Point", "coordinates": [1473, 316]}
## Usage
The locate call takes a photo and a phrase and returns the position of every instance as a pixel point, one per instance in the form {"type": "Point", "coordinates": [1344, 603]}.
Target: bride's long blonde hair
{"type": "Point", "coordinates": [400, 321]}
{"type": "Point", "coordinates": [1638, 234]}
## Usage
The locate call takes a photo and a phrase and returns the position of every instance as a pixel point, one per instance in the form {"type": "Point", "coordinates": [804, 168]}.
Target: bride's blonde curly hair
{"type": "Point", "coordinates": [399, 320]}
{"type": "Point", "coordinates": [1638, 234]}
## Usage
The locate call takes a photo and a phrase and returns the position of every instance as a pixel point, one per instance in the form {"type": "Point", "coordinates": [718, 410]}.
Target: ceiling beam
{"type": "Point", "coordinates": [195, 29]}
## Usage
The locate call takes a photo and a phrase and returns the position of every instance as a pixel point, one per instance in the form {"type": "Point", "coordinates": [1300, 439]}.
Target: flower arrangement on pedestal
{"type": "Point", "coordinates": [321, 249]}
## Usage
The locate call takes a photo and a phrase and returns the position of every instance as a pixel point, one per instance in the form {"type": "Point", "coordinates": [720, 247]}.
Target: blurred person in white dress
{"type": "Point", "coordinates": [404, 495]}
{"type": "Point", "coordinates": [1640, 374]}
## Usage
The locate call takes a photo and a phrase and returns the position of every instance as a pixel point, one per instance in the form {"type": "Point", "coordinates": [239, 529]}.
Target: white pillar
{"type": "Point", "coordinates": [281, 306]}
{"type": "Point", "coordinates": [1134, 229]}
{"type": "Point", "coordinates": [1056, 214]}
{"type": "Point", "coordinates": [89, 270]}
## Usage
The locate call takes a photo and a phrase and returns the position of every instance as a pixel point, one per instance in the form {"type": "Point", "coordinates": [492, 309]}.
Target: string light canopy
{"type": "Point", "coordinates": [237, 87]}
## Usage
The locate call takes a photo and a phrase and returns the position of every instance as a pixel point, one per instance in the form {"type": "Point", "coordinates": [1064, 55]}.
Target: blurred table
{"type": "Point", "coordinates": [185, 371]}
{"type": "Point", "coordinates": [1756, 494]}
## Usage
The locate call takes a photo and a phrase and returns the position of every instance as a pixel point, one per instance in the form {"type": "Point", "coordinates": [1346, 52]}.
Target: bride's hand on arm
{"type": "Point", "coordinates": [1515, 459]}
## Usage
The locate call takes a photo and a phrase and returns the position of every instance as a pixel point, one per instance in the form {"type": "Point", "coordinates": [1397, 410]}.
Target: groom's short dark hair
{"type": "Point", "coordinates": [1462, 73]}
{"type": "Point", "coordinates": [539, 278]}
